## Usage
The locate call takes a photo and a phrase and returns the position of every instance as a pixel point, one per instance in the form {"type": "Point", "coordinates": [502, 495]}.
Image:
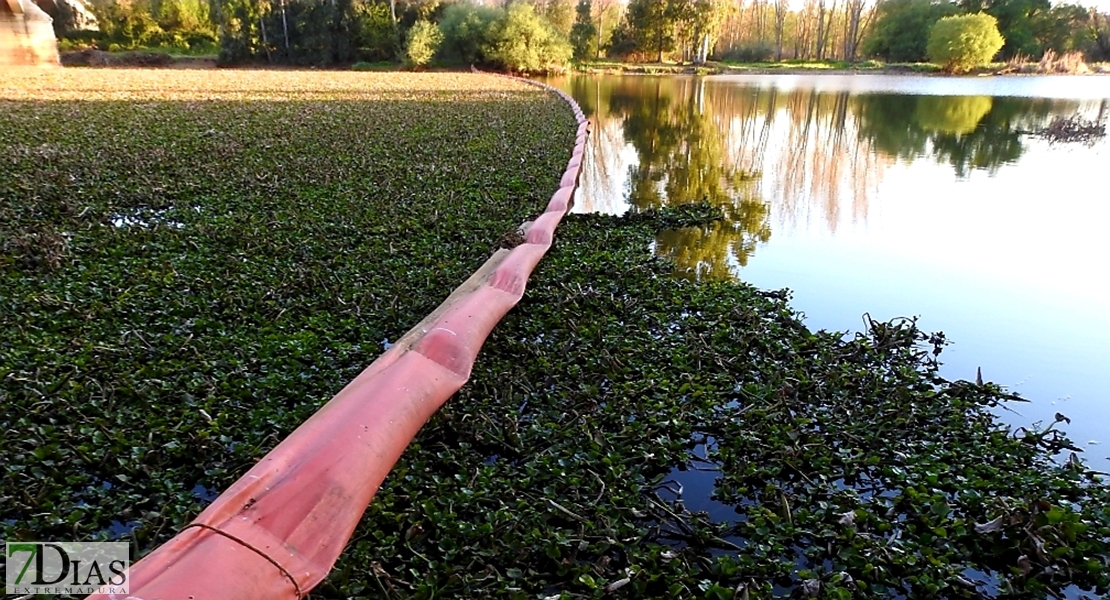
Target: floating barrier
{"type": "Point", "coordinates": [278, 530]}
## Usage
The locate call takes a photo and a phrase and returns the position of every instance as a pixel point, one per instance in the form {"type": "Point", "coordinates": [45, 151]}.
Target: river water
{"type": "Point", "coordinates": [894, 196]}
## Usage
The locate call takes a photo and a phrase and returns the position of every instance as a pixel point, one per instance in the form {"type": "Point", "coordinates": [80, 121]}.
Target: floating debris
{"type": "Point", "coordinates": [1072, 129]}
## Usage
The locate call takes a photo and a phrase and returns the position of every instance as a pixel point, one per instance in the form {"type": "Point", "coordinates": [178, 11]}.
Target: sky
{"type": "Point", "coordinates": [1102, 5]}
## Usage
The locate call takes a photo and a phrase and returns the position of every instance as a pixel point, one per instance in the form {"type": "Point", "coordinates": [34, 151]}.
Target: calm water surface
{"type": "Point", "coordinates": [893, 196]}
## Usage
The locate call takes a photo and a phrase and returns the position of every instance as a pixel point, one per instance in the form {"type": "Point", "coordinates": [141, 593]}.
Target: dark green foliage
{"type": "Point", "coordinates": [466, 31]}
{"type": "Point", "coordinates": [901, 28]}
{"type": "Point", "coordinates": [651, 25]}
{"type": "Point", "coordinates": [309, 32]}
{"type": "Point", "coordinates": [622, 42]}
{"type": "Point", "coordinates": [583, 36]}
{"type": "Point", "coordinates": [749, 54]}
{"type": "Point", "coordinates": [411, 11]}
{"type": "Point", "coordinates": [376, 36]}
{"type": "Point", "coordinates": [240, 34]}
{"type": "Point", "coordinates": [522, 41]}
{"type": "Point", "coordinates": [1030, 27]}
{"type": "Point", "coordinates": [1097, 43]}
{"type": "Point", "coordinates": [1016, 21]}
{"type": "Point", "coordinates": [1062, 29]}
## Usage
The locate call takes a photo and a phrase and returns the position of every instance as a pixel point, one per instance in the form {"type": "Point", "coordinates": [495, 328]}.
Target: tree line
{"type": "Point", "coordinates": [847, 30]}
{"type": "Point", "coordinates": [539, 35]}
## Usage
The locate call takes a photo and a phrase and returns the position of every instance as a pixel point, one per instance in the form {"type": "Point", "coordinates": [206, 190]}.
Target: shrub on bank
{"type": "Point", "coordinates": [517, 39]}
{"type": "Point", "coordinates": [466, 32]}
{"type": "Point", "coordinates": [960, 44]}
{"type": "Point", "coordinates": [759, 52]}
{"type": "Point", "coordinates": [421, 44]}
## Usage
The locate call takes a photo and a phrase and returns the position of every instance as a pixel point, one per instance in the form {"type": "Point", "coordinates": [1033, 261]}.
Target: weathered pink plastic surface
{"type": "Point", "coordinates": [278, 530]}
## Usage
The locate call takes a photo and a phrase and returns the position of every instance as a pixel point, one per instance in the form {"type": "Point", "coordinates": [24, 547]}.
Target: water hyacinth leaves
{"type": "Point", "coordinates": [154, 358]}
{"type": "Point", "coordinates": [229, 264]}
{"type": "Point", "coordinates": [854, 469]}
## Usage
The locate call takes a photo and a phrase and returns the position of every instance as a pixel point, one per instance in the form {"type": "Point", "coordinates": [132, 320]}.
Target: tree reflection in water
{"type": "Point", "coordinates": [683, 158]}
{"type": "Point", "coordinates": [798, 157]}
{"type": "Point", "coordinates": [967, 132]}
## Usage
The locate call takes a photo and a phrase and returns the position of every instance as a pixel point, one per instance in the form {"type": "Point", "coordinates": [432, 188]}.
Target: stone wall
{"type": "Point", "coordinates": [26, 35]}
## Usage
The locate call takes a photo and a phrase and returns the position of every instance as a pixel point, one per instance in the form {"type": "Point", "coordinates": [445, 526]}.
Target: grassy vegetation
{"type": "Point", "coordinates": [91, 57]}
{"type": "Point", "coordinates": [382, 65]}
{"type": "Point", "coordinates": [200, 50]}
{"type": "Point", "coordinates": [187, 280]}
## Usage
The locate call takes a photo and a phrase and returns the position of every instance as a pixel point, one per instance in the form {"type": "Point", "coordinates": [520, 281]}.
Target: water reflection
{"type": "Point", "coordinates": [967, 132]}
{"type": "Point", "coordinates": [681, 156]}
{"type": "Point", "coordinates": [896, 196]}
{"type": "Point", "coordinates": [798, 156]}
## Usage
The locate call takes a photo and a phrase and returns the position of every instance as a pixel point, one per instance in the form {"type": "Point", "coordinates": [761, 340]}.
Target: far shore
{"type": "Point", "coordinates": [158, 59]}
{"type": "Point", "coordinates": [790, 68]}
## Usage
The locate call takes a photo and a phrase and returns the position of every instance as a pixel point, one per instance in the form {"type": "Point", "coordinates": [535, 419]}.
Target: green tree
{"type": "Point", "coordinates": [421, 43]}
{"type": "Point", "coordinates": [964, 42]}
{"type": "Point", "coordinates": [1097, 42]}
{"type": "Point", "coordinates": [240, 35]}
{"type": "Point", "coordinates": [651, 25]}
{"type": "Point", "coordinates": [622, 41]}
{"type": "Point", "coordinates": [376, 36]}
{"type": "Point", "coordinates": [1062, 28]}
{"type": "Point", "coordinates": [183, 15]}
{"type": "Point", "coordinates": [700, 23]}
{"type": "Point", "coordinates": [466, 31]}
{"type": "Point", "coordinates": [560, 13]}
{"type": "Point", "coordinates": [310, 32]}
{"type": "Point", "coordinates": [523, 41]}
{"type": "Point", "coordinates": [901, 29]}
{"type": "Point", "coordinates": [583, 36]}
{"type": "Point", "coordinates": [1018, 21]}
{"type": "Point", "coordinates": [412, 11]}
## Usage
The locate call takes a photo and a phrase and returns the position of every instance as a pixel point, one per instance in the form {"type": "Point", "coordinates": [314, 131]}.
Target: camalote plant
{"type": "Point", "coordinates": [961, 43]}
{"type": "Point", "coordinates": [264, 252]}
{"type": "Point", "coordinates": [190, 308]}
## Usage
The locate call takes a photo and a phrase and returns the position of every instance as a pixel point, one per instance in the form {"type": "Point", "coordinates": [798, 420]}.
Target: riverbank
{"type": "Point", "coordinates": [807, 68]}
{"type": "Point", "coordinates": [166, 59]}
{"type": "Point", "coordinates": [212, 309]}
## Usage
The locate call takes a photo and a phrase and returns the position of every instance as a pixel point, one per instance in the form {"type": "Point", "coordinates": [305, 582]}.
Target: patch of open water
{"type": "Point", "coordinates": [889, 195]}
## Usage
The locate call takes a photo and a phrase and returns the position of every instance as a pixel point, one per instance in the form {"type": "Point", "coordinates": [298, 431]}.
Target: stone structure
{"type": "Point", "coordinates": [26, 35]}
{"type": "Point", "coordinates": [69, 16]}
